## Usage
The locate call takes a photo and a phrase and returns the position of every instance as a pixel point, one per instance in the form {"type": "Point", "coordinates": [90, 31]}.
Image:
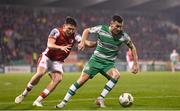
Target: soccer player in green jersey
{"type": "Point", "coordinates": [110, 38]}
{"type": "Point", "coordinates": [174, 57]}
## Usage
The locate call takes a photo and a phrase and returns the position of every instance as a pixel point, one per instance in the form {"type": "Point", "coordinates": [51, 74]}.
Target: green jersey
{"type": "Point", "coordinates": [108, 45]}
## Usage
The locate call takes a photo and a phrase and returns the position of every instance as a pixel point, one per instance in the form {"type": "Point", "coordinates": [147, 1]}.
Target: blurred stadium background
{"type": "Point", "coordinates": [154, 26]}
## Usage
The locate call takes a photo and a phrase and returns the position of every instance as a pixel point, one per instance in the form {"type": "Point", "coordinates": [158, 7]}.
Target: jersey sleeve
{"type": "Point", "coordinates": [54, 33]}
{"type": "Point", "coordinates": [95, 29]}
{"type": "Point", "coordinates": [78, 37]}
{"type": "Point", "coordinates": [127, 38]}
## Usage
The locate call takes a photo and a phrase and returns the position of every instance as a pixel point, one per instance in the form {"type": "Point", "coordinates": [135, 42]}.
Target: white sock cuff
{"type": "Point", "coordinates": [73, 88]}
{"type": "Point", "coordinates": [30, 85]}
{"type": "Point", "coordinates": [46, 91]}
{"type": "Point", "coordinates": [67, 97]}
{"type": "Point", "coordinates": [104, 92]}
{"type": "Point", "coordinates": [110, 84]}
{"type": "Point", "coordinates": [40, 98]}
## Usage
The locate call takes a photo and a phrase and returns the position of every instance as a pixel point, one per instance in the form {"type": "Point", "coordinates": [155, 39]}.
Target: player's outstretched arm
{"type": "Point", "coordinates": [135, 67]}
{"type": "Point", "coordinates": [90, 44]}
{"type": "Point", "coordinates": [85, 35]}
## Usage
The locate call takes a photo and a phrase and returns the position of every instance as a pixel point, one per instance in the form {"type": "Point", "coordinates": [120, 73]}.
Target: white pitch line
{"type": "Point", "coordinates": [92, 99]}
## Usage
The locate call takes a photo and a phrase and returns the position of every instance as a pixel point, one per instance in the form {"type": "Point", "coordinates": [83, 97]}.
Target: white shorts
{"type": "Point", "coordinates": [49, 65]}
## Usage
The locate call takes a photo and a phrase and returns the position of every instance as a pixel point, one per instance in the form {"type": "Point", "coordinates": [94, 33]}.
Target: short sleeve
{"type": "Point", "coordinates": [95, 29]}
{"type": "Point", "coordinates": [127, 38]}
{"type": "Point", "coordinates": [54, 33]}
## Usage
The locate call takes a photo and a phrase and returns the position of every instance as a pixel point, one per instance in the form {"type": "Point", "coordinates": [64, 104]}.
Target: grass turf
{"type": "Point", "coordinates": [151, 91]}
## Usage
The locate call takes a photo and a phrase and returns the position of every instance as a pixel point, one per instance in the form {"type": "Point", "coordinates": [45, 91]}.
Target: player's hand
{"type": "Point", "coordinates": [66, 48]}
{"type": "Point", "coordinates": [135, 68]}
{"type": "Point", "coordinates": [81, 46]}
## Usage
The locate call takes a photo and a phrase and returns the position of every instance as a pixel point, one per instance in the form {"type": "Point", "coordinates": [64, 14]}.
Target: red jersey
{"type": "Point", "coordinates": [62, 40]}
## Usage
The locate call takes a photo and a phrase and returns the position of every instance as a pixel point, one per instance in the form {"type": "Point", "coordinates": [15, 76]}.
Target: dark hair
{"type": "Point", "coordinates": [70, 20]}
{"type": "Point", "coordinates": [117, 18]}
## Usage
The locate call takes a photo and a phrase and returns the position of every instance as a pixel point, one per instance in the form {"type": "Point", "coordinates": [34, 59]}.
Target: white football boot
{"type": "Point", "coordinates": [37, 104]}
{"type": "Point", "coordinates": [19, 99]}
{"type": "Point", "coordinates": [100, 102]}
{"type": "Point", "coordinates": [61, 105]}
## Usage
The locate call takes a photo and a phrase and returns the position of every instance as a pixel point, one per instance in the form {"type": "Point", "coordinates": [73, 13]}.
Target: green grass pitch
{"type": "Point", "coordinates": [151, 91]}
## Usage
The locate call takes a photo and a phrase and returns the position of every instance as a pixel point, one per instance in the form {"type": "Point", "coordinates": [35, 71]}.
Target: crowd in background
{"type": "Point", "coordinates": [24, 32]}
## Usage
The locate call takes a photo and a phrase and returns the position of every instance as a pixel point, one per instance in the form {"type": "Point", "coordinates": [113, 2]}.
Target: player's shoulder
{"type": "Point", "coordinates": [101, 26]}
{"type": "Point", "coordinates": [98, 27]}
{"type": "Point", "coordinates": [104, 26]}
{"type": "Point", "coordinates": [56, 28]}
{"type": "Point", "coordinates": [55, 32]}
{"type": "Point", "coordinates": [125, 35]}
{"type": "Point", "coordinates": [95, 29]}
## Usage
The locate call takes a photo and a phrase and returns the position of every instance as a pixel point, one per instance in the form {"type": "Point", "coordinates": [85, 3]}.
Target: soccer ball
{"type": "Point", "coordinates": [126, 99]}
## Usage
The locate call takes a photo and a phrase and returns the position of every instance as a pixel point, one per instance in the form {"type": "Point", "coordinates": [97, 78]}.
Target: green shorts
{"type": "Point", "coordinates": [174, 62]}
{"type": "Point", "coordinates": [98, 65]}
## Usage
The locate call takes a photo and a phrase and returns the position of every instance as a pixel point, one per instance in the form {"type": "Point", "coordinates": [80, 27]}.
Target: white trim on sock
{"type": "Point", "coordinates": [39, 99]}
{"type": "Point", "coordinates": [25, 92]}
{"type": "Point", "coordinates": [110, 84]}
{"type": "Point", "coordinates": [30, 85]}
{"type": "Point", "coordinates": [46, 91]}
{"type": "Point", "coordinates": [104, 92]}
{"type": "Point", "coordinates": [67, 97]}
{"type": "Point", "coordinates": [73, 88]}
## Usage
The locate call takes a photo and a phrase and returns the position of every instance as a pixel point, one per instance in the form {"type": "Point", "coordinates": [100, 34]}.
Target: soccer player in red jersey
{"type": "Point", "coordinates": [60, 42]}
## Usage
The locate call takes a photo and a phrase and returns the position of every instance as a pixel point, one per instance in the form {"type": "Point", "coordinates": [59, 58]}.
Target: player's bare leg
{"type": "Point", "coordinates": [56, 77]}
{"type": "Point", "coordinates": [72, 89]}
{"type": "Point", "coordinates": [34, 81]}
{"type": "Point", "coordinates": [114, 76]}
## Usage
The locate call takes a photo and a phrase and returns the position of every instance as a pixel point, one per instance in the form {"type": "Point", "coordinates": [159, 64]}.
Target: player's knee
{"type": "Point", "coordinates": [116, 76]}
{"type": "Point", "coordinates": [83, 78]}
{"type": "Point", "coordinates": [57, 79]}
{"type": "Point", "coordinates": [80, 80]}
